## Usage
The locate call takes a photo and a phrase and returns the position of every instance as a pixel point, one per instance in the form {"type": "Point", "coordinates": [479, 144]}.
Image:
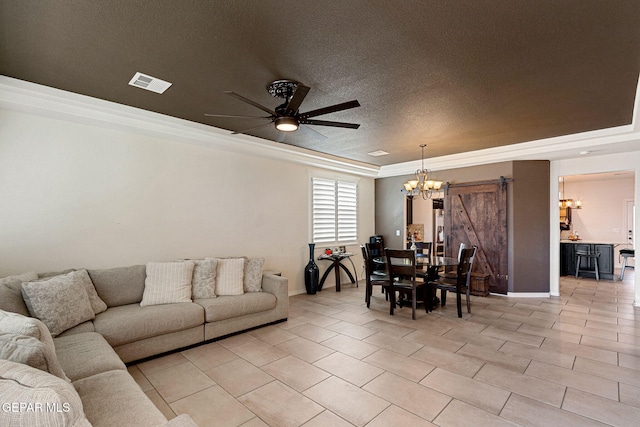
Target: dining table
{"type": "Point", "coordinates": [428, 268]}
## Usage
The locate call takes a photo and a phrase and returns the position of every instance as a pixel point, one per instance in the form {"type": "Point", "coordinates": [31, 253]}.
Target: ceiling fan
{"type": "Point", "coordinates": [286, 116]}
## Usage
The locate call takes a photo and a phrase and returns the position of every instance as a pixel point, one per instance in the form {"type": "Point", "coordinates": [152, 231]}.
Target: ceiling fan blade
{"type": "Point", "coordinates": [331, 109]}
{"type": "Point", "coordinates": [250, 102]}
{"type": "Point", "coordinates": [298, 96]}
{"type": "Point", "coordinates": [310, 131]}
{"type": "Point", "coordinates": [251, 128]}
{"type": "Point", "coordinates": [238, 117]}
{"type": "Point", "coordinates": [328, 123]}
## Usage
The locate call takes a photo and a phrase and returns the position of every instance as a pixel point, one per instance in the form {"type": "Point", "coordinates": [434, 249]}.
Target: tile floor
{"type": "Point", "coordinates": [572, 360]}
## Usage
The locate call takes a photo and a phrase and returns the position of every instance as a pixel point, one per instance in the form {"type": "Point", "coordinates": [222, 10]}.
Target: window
{"type": "Point", "coordinates": [335, 211]}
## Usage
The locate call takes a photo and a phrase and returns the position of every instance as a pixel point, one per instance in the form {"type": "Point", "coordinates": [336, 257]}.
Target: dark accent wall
{"type": "Point", "coordinates": [527, 215]}
{"type": "Point", "coordinates": [530, 240]}
{"type": "Point", "coordinates": [390, 210]}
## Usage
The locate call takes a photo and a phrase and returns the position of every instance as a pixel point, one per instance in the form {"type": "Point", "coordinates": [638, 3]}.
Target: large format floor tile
{"type": "Point", "coordinates": [572, 360]}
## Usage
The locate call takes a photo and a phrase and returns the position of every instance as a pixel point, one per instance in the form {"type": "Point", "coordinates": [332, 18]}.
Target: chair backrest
{"type": "Point", "coordinates": [401, 263]}
{"type": "Point", "coordinates": [467, 255]}
{"type": "Point", "coordinates": [375, 249]}
{"type": "Point", "coordinates": [423, 249]}
{"type": "Point", "coordinates": [367, 260]}
{"type": "Point", "coordinates": [462, 246]}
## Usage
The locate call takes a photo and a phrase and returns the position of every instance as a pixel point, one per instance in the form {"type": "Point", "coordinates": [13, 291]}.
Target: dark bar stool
{"type": "Point", "coordinates": [586, 253]}
{"type": "Point", "coordinates": [626, 254]}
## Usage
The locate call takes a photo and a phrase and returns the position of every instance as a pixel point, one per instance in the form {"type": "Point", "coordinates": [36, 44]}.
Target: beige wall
{"type": "Point", "coordinates": [88, 195]}
{"type": "Point", "coordinates": [603, 216]}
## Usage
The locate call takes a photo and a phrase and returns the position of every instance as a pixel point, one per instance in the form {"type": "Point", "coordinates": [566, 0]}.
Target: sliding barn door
{"type": "Point", "coordinates": [476, 215]}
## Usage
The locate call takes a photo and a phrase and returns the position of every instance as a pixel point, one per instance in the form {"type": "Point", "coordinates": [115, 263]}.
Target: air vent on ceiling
{"type": "Point", "coordinates": [378, 153]}
{"type": "Point", "coordinates": [144, 81]}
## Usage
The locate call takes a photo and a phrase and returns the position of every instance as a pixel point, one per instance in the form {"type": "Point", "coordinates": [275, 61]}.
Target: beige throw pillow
{"type": "Point", "coordinates": [253, 275]}
{"type": "Point", "coordinates": [97, 304]}
{"type": "Point", "coordinates": [204, 278]}
{"type": "Point", "coordinates": [229, 279]}
{"type": "Point", "coordinates": [27, 340]}
{"type": "Point", "coordinates": [61, 302]}
{"type": "Point", "coordinates": [60, 403]}
{"type": "Point", "coordinates": [167, 283]}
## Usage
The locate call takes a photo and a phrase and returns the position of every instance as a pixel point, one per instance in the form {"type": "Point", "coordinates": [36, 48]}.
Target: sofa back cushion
{"type": "Point", "coordinates": [121, 285]}
{"type": "Point", "coordinates": [11, 292]}
{"type": "Point", "coordinates": [37, 398]}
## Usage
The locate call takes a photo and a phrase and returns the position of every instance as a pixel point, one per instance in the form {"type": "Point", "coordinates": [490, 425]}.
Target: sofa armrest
{"type": "Point", "coordinates": [279, 287]}
{"type": "Point", "coordinates": [183, 420]}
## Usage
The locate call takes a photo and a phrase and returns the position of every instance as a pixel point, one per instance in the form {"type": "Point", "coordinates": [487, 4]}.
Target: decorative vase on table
{"type": "Point", "coordinates": [311, 273]}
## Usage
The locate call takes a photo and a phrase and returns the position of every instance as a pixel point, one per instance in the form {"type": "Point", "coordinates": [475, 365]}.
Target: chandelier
{"type": "Point", "coordinates": [568, 203]}
{"type": "Point", "coordinates": [422, 185]}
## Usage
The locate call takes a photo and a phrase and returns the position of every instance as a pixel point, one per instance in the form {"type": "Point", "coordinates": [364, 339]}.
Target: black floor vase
{"type": "Point", "coordinates": [311, 273]}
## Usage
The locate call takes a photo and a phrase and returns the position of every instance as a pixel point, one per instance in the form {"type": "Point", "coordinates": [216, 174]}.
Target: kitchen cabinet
{"type": "Point", "coordinates": [568, 259]}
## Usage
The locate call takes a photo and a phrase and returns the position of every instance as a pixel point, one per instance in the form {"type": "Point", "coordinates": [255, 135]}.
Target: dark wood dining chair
{"type": "Point", "coordinates": [380, 279]}
{"type": "Point", "coordinates": [423, 249]}
{"type": "Point", "coordinates": [460, 284]}
{"type": "Point", "coordinates": [454, 274]}
{"type": "Point", "coordinates": [401, 265]}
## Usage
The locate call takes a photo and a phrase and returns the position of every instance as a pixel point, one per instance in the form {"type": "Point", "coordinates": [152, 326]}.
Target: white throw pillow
{"type": "Point", "coordinates": [204, 278]}
{"type": "Point", "coordinates": [230, 275]}
{"type": "Point", "coordinates": [167, 283]}
{"type": "Point", "coordinates": [61, 302]}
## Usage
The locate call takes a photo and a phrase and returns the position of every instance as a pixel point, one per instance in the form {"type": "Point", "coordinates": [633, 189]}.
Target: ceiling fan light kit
{"type": "Point", "coordinates": [286, 116]}
{"type": "Point", "coordinates": [286, 124]}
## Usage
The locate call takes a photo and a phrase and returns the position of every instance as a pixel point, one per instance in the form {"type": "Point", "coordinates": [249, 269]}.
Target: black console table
{"type": "Point", "coordinates": [336, 266]}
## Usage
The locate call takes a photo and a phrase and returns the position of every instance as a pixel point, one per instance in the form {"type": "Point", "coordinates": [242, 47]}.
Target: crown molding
{"type": "Point", "coordinates": [33, 98]}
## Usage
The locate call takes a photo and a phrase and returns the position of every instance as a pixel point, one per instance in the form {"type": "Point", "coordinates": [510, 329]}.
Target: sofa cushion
{"type": "Point", "coordinates": [82, 327]}
{"type": "Point", "coordinates": [230, 275]}
{"type": "Point", "coordinates": [225, 307]}
{"type": "Point", "coordinates": [113, 398]}
{"type": "Point", "coordinates": [85, 354]}
{"type": "Point", "coordinates": [119, 286]}
{"type": "Point", "coordinates": [11, 292]}
{"type": "Point", "coordinates": [38, 398]}
{"type": "Point", "coordinates": [167, 283]}
{"type": "Point", "coordinates": [27, 340]}
{"type": "Point", "coordinates": [128, 323]}
{"type": "Point", "coordinates": [61, 302]}
{"type": "Point", "coordinates": [23, 277]}
{"type": "Point", "coordinates": [203, 284]}
{"type": "Point", "coordinates": [253, 274]}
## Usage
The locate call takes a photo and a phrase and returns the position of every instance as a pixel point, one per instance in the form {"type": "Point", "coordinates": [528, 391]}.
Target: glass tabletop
{"type": "Point", "coordinates": [437, 261]}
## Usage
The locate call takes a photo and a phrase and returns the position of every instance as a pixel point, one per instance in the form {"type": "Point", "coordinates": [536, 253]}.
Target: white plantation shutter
{"type": "Point", "coordinates": [347, 211]}
{"type": "Point", "coordinates": [334, 211]}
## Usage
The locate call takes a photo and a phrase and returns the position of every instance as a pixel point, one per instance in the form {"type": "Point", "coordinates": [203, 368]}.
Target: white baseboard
{"type": "Point", "coordinates": [525, 295]}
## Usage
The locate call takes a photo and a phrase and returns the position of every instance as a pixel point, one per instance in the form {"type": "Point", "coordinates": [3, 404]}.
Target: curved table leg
{"type": "Point", "coordinates": [348, 273]}
{"type": "Point", "coordinates": [324, 276]}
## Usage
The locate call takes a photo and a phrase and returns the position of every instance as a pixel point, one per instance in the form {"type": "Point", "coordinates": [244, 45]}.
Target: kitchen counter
{"type": "Point", "coordinates": [605, 260]}
{"type": "Point", "coordinates": [591, 242]}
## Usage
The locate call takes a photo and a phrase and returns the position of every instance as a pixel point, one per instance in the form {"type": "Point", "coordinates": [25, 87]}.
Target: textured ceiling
{"type": "Point", "coordinates": [456, 75]}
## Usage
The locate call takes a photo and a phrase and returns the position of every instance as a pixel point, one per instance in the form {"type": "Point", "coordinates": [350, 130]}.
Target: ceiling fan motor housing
{"type": "Point", "coordinates": [282, 88]}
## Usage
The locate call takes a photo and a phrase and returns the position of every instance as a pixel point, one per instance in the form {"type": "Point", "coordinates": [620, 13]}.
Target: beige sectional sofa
{"type": "Point", "coordinates": [92, 354]}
